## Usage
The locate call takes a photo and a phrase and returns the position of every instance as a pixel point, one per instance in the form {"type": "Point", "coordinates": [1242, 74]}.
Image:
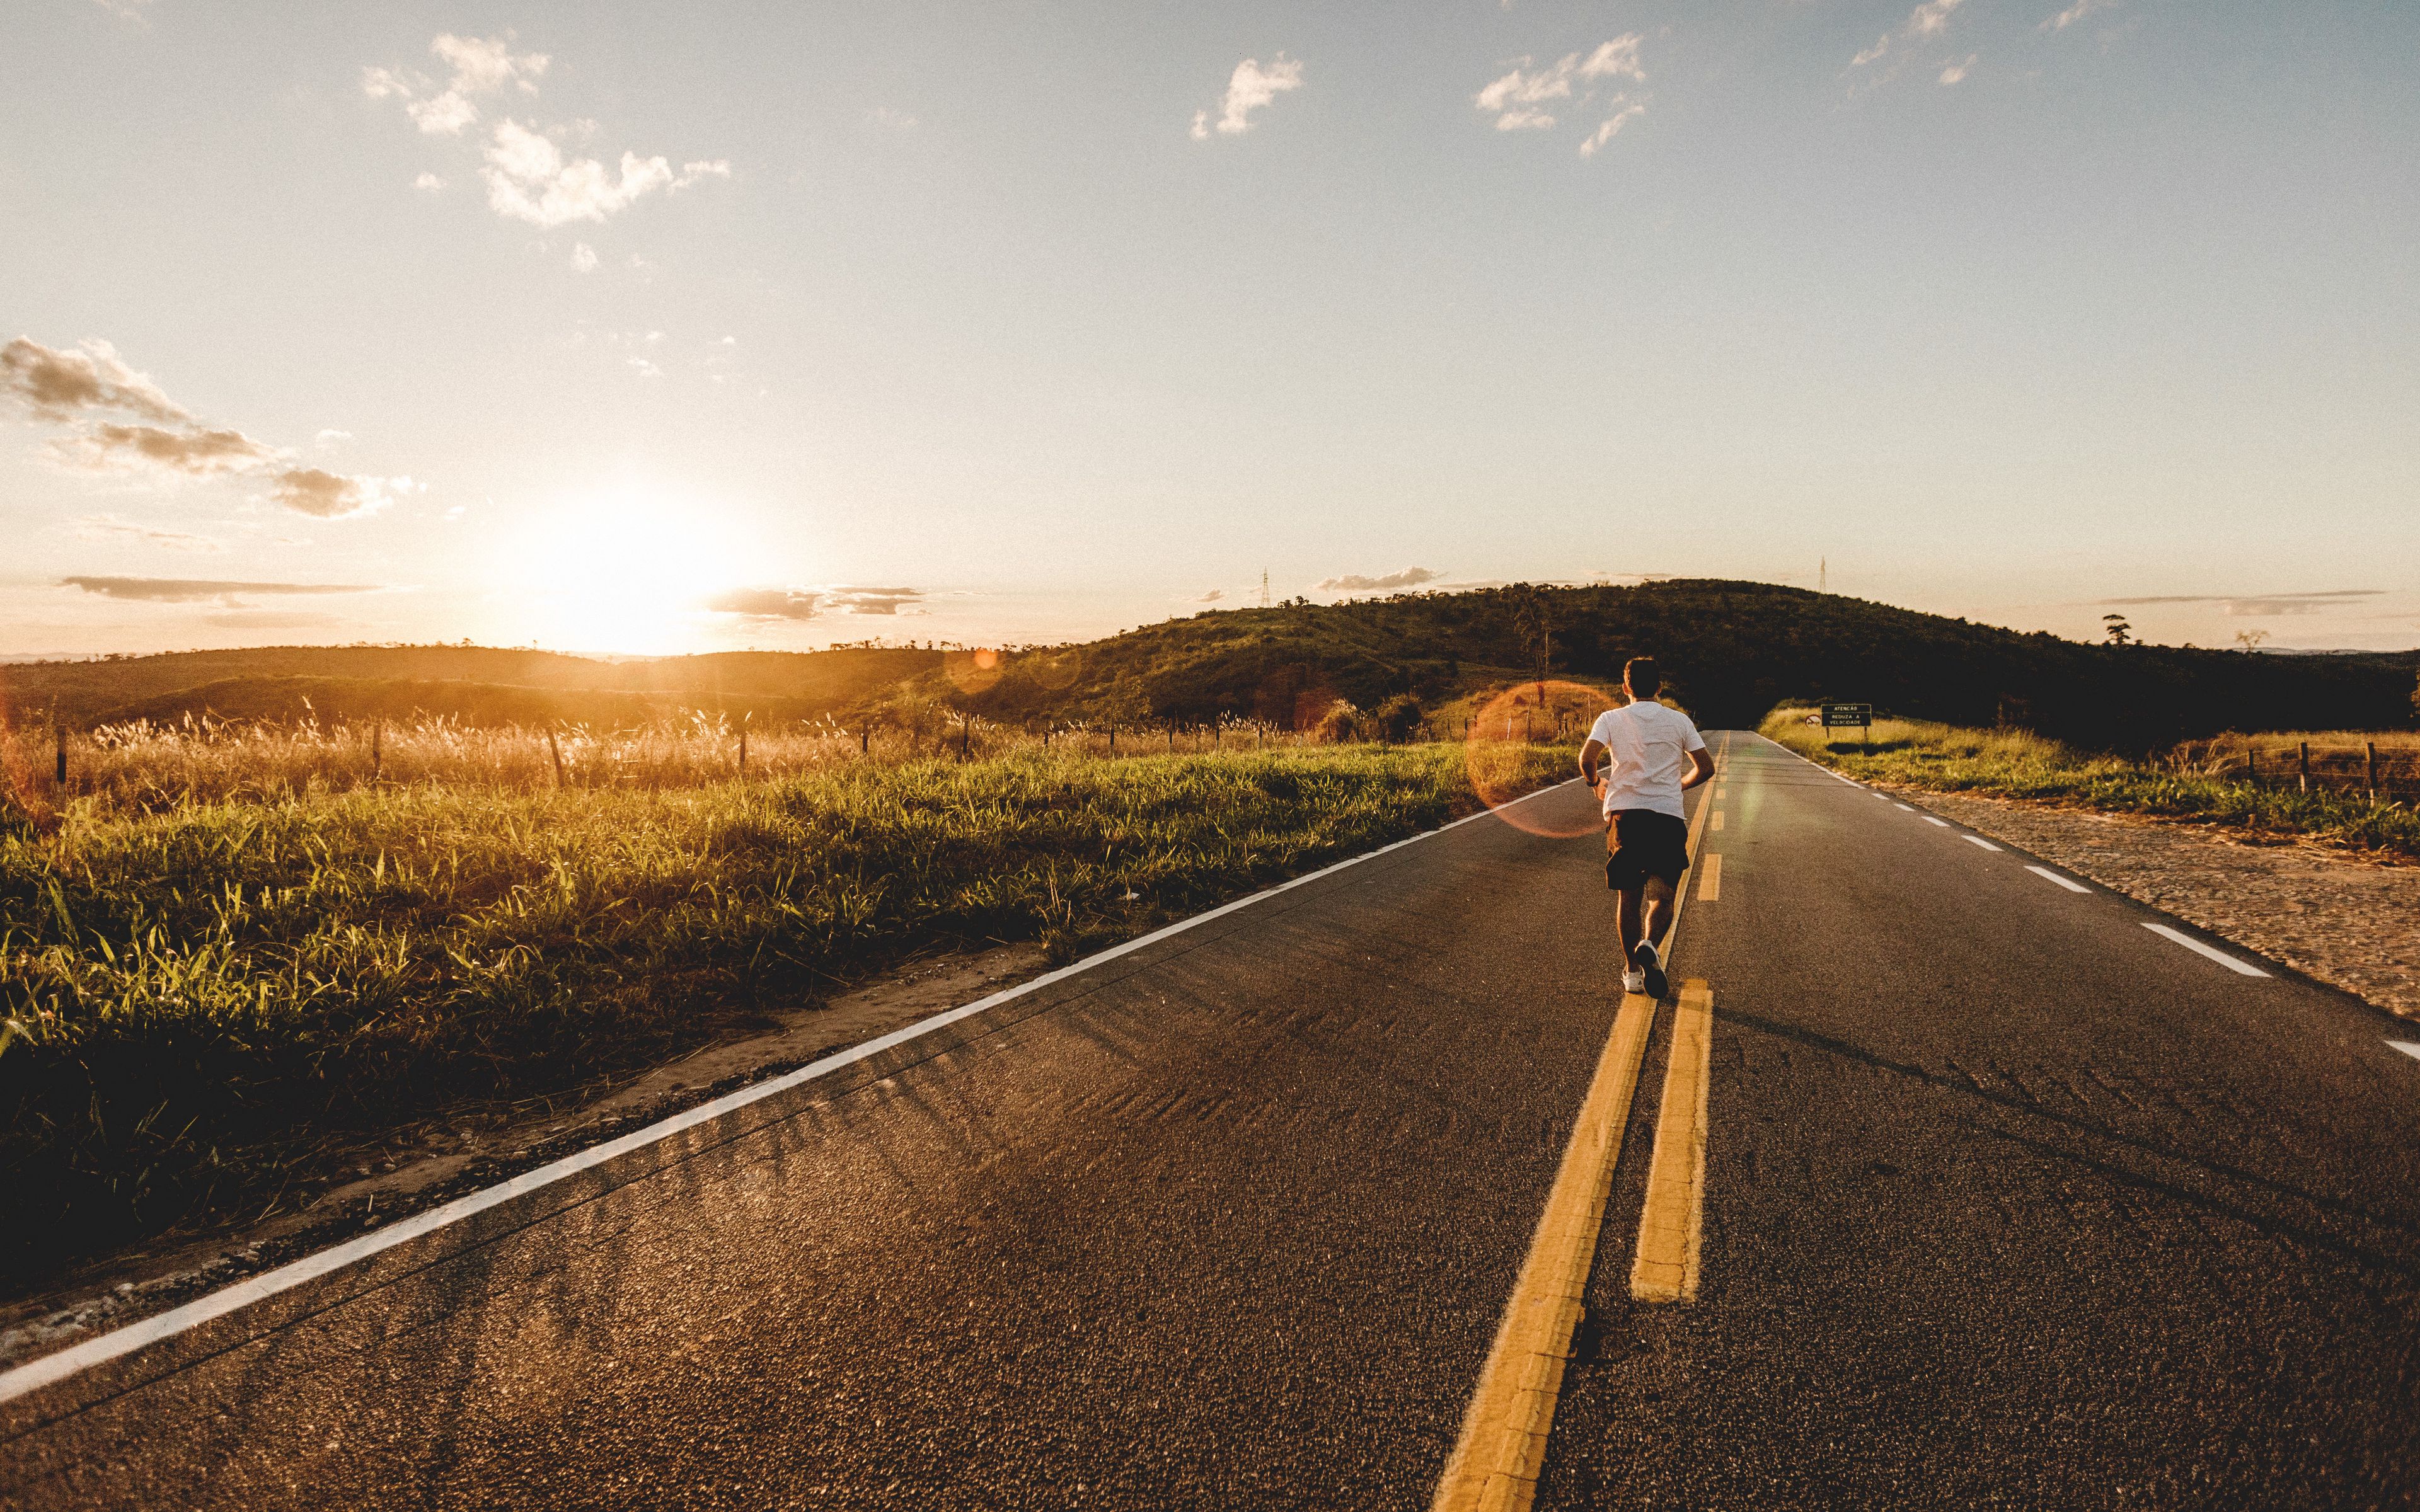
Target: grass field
{"type": "Point", "coordinates": [213, 987]}
{"type": "Point", "coordinates": [2203, 782]}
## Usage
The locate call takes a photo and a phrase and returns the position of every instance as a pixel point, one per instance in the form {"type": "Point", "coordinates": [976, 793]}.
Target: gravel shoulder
{"type": "Point", "coordinates": [2333, 915]}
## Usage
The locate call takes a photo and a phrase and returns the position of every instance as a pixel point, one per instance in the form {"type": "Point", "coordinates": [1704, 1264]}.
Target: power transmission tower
{"type": "Point", "coordinates": [1265, 588]}
{"type": "Point", "coordinates": [1823, 575]}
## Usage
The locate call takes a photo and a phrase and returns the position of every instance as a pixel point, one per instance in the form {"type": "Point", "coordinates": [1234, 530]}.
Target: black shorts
{"type": "Point", "coordinates": [1642, 843]}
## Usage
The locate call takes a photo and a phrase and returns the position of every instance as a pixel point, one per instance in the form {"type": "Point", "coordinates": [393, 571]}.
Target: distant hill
{"type": "Point", "coordinates": [1730, 651]}
{"type": "Point", "coordinates": [478, 685]}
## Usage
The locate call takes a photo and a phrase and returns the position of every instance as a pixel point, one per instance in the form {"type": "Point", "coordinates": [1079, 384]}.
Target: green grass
{"type": "Point", "coordinates": [203, 1005]}
{"type": "Point", "coordinates": [2017, 764]}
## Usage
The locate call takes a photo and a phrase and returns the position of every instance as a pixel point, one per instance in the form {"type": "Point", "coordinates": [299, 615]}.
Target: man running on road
{"type": "Point", "coordinates": [1655, 755]}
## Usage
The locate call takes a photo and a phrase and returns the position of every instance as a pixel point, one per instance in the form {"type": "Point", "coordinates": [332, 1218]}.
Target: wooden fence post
{"type": "Point", "coordinates": [865, 737]}
{"type": "Point", "coordinates": [378, 748]}
{"type": "Point", "coordinates": [2306, 766]}
{"type": "Point", "coordinates": [743, 753]}
{"type": "Point", "coordinates": [556, 751]}
{"type": "Point", "coordinates": [1113, 738]}
{"type": "Point", "coordinates": [2372, 764]}
{"type": "Point", "coordinates": [61, 731]}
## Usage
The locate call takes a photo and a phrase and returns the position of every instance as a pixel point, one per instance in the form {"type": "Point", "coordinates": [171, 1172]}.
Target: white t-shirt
{"type": "Point", "coordinates": [1650, 746]}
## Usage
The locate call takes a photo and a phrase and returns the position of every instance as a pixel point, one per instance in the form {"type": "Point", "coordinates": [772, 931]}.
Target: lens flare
{"type": "Point", "coordinates": [1493, 749]}
{"type": "Point", "coordinates": [971, 671]}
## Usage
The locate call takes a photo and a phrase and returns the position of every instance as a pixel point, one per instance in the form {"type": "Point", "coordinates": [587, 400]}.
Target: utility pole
{"type": "Point", "coordinates": [1265, 588]}
{"type": "Point", "coordinates": [1823, 575]}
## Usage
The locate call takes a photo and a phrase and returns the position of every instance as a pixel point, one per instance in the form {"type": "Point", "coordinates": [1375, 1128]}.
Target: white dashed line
{"type": "Point", "coordinates": [2069, 883]}
{"type": "Point", "coordinates": [2241, 969]}
{"type": "Point", "coordinates": [1935, 819]}
{"type": "Point", "coordinates": [1904, 808]}
{"type": "Point", "coordinates": [1978, 840]}
{"type": "Point", "coordinates": [2406, 1047]}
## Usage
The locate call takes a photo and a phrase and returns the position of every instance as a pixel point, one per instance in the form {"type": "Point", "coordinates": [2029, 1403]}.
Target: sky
{"type": "Point", "coordinates": [655, 329]}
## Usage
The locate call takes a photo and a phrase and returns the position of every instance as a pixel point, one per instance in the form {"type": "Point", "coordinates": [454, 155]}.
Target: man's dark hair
{"type": "Point", "coordinates": [1641, 674]}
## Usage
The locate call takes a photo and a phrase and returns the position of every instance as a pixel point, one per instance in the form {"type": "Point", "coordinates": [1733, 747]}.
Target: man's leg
{"type": "Point", "coordinates": [1658, 915]}
{"type": "Point", "coordinates": [1629, 921]}
{"type": "Point", "coordinates": [1647, 955]}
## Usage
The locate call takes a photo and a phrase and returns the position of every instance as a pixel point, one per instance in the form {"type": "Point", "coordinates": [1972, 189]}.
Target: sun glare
{"type": "Point", "coordinates": [625, 570]}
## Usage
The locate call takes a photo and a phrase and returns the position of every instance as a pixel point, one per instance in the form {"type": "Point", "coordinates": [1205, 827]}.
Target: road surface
{"type": "Point", "coordinates": [2006, 1199]}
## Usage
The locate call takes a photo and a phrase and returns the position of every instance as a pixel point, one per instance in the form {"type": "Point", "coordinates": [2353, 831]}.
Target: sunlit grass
{"type": "Point", "coordinates": [203, 997]}
{"type": "Point", "coordinates": [2202, 781]}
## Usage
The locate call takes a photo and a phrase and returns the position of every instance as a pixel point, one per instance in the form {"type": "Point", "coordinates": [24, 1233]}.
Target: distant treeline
{"type": "Point", "coordinates": [1730, 651]}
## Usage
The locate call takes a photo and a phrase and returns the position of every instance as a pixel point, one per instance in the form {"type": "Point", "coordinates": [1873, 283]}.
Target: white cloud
{"type": "Point", "coordinates": [333, 437]}
{"type": "Point", "coordinates": [1521, 99]}
{"type": "Point", "coordinates": [1251, 88]}
{"type": "Point", "coordinates": [529, 178]}
{"type": "Point", "coordinates": [428, 181]}
{"type": "Point", "coordinates": [444, 116]}
{"type": "Point", "coordinates": [584, 257]}
{"type": "Point", "coordinates": [1353, 582]}
{"type": "Point", "coordinates": [1928, 20]}
{"type": "Point", "coordinates": [2075, 13]}
{"type": "Point", "coordinates": [103, 527]}
{"type": "Point", "coordinates": [643, 369]}
{"type": "Point", "coordinates": [889, 119]}
{"type": "Point", "coordinates": [481, 65]}
{"type": "Point", "coordinates": [1958, 70]}
{"type": "Point", "coordinates": [1212, 597]}
{"type": "Point", "coordinates": [1609, 128]}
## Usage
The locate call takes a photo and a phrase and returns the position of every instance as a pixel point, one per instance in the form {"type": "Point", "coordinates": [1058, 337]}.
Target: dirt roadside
{"type": "Point", "coordinates": [2332, 913]}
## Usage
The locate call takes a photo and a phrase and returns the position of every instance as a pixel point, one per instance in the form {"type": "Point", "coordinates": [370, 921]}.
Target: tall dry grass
{"type": "Point", "coordinates": [2194, 782]}
{"type": "Point", "coordinates": [213, 979]}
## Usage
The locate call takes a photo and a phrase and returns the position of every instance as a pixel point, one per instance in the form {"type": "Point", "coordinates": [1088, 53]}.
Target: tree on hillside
{"type": "Point", "coordinates": [1533, 621]}
{"type": "Point", "coordinates": [1399, 718]}
{"type": "Point", "coordinates": [2119, 633]}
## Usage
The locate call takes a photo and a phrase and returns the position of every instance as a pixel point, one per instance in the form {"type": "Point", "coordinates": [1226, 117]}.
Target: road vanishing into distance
{"type": "Point", "coordinates": [1942, 1179]}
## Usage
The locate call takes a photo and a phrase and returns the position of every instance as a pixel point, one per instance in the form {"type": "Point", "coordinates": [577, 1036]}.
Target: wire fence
{"type": "Point", "coordinates": [142, 766]}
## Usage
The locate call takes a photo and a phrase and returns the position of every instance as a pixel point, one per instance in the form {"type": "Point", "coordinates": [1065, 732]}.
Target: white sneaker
{"type": "Point", "coordinates": [1633, 982]}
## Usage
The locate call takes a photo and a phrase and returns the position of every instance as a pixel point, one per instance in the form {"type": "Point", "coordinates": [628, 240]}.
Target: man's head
{"type": "Point", "coordinates": [1640, 678]}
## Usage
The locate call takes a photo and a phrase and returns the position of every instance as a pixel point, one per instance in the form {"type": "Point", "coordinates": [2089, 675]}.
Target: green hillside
{"type": "Point", "coordinates": [479, 684]}
{"type": "Point", "coordinates": [1730, 651]}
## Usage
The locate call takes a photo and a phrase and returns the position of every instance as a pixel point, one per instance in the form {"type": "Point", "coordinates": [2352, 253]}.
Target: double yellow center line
{"type": "Point", "coordinates": [1504, 1443]}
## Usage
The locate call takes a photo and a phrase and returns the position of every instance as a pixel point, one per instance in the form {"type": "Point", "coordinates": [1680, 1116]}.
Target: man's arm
{"type": "Point", "coordinates": [1591, 757]}
{"type": "Point", "coordinates": [1701, 769]}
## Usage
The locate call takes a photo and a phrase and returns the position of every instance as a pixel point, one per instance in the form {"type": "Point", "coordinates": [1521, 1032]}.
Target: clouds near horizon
{"type": "Point", "coordinates": [796, 604]}
{"type": "Point", "coordinates": [89, 387]}
{"type": "Point", "coordinates": [201, 590]}
{"type": "Point", "coordinates": [1352, 582]}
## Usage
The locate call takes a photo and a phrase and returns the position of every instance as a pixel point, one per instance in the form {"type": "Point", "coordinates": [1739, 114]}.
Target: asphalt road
{"type": "Point", "coordinates": [2009, 1200]}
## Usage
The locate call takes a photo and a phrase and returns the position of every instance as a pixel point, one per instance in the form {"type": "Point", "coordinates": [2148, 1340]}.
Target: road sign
{"type": "Point", "coordinates": [1843, 715]}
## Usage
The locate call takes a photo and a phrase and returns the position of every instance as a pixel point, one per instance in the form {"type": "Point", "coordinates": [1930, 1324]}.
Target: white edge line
{"type": "Point", "coordinates": [2069, 883]}
{"type": "Point", "coordinates": [1978, 840]}
{"type": "Point", "coordinates": [2406, 1047]}
{"type": "Point", "coordinates": [1936, 819]}
{"type": "Point", "coordinates": [2245, 967]}
{"type": "Point", "coordinates": [52, 1368]}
